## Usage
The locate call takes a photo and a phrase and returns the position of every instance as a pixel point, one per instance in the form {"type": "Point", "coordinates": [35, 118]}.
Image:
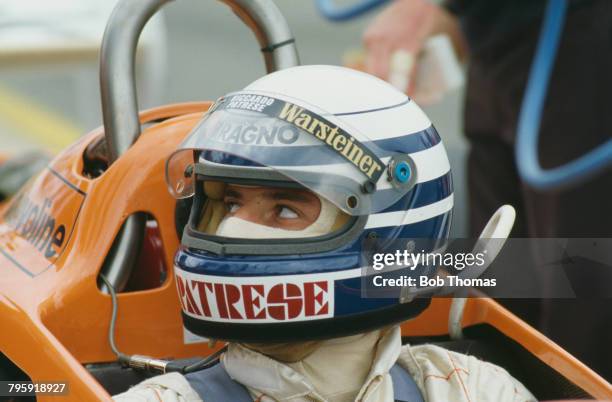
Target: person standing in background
{"type": "Point", "coordinates": [499, 39]}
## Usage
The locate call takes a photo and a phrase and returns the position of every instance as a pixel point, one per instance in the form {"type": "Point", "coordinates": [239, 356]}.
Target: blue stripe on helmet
{"type": "Point", "coordinates": [348, 299]}
{"type": "Point", "coordinates": [424, 194]}
{"type": "Point", "coordinates": [410, 143]}
{"type": "Point", "coordinates": [406, 144]}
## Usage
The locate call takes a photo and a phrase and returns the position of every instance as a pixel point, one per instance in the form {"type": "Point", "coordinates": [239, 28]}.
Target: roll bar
{"type": "Point", "coordinates": [120, 104]}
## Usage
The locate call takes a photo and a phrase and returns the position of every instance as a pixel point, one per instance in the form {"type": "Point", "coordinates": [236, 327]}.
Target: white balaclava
{"type": "Point", "coordinates": [237, 227]}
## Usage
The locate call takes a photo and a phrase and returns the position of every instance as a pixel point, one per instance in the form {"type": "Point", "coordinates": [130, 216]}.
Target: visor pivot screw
{"type": "Point", "coordinates": [188, 171]}
{"type": "Point", "coordinates": [401, 172]}
{"type": "Point", "coordinates": [352, 202]}
{"type": "Point", "coordinates": [368, 187]}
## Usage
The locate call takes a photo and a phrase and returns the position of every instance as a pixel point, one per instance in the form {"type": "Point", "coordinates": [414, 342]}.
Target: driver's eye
{"type": "Point", "coordinates": [232, 207]}
{"type": "Point", "coordinates": [287, 213]}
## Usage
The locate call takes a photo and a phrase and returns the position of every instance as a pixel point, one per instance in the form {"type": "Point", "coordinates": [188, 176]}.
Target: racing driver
{"type": "Point", "coordinates": [288, 177]}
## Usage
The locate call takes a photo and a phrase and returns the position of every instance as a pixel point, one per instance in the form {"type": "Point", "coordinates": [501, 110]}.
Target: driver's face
{"type": "Point", "coordinates": [285, 208]}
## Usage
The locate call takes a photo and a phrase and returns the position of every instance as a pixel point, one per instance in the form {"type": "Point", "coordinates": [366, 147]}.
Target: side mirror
{"type": "Point", "coordinates": [499, 227]}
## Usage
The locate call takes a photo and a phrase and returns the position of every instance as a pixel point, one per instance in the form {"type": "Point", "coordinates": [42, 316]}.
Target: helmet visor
{"type": "Point", "coordinates": [265, 136]}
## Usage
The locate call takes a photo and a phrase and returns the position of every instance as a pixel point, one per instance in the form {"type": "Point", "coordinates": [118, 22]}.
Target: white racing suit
{"type": "Point", "coordinates": [348, 369]}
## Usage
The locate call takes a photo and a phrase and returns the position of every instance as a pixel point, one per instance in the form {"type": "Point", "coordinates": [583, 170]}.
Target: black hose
{"type": "Point", "coordinates": [123, 358]}
{"type": "Point", "coordinates": [197, 366]}
{"type": "Point", "coordinates": [167, 367]}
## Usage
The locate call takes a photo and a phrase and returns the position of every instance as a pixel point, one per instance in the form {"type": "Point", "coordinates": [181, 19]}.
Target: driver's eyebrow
{"type": "Point", "coordinates": [232, 193]}
{"type": "Point", "coordinates": [297, 196]}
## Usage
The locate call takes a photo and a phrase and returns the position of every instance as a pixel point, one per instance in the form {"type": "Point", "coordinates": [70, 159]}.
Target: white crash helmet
{"type": "Point", "coordinates": [354, 141]}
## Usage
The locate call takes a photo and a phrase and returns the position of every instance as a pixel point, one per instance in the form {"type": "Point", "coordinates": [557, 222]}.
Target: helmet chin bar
{"type": "Point", "coordinates": [270, 333]}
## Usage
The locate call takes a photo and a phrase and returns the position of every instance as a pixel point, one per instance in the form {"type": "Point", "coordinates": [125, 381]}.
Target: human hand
{"type": "Point", "coordinates": [404, 26]}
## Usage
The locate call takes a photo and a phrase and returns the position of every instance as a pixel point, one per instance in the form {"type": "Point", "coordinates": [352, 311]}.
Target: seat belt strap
{"type": "Point", "coordinates": [214, 384]}
{"type": "Point", "coordinates": [404, 387]}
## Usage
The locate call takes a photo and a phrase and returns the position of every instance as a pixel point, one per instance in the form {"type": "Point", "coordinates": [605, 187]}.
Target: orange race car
{"type": "Point", "coordinates": [106, 209]}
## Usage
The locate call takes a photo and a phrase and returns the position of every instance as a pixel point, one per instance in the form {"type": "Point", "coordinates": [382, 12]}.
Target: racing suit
{"type": "Point", "coordinates": [441, 375]}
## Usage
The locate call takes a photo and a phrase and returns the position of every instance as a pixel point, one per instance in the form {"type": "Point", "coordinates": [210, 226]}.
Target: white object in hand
{"type": "Point", "coordinates": [400, 68]}
{"type": "Point", "coordinates": [438, 71]}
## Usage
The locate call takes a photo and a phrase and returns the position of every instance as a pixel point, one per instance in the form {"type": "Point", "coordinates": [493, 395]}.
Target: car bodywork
{"type": "Point", "coordinates": [62, 228]}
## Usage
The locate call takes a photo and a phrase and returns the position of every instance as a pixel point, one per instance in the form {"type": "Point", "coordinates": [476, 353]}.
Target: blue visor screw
{"type": "Point", "coordinates": [402, 172]}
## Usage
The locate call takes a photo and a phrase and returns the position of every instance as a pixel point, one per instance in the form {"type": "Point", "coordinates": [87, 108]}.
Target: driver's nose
{"type": "Point", "coordinates": [255, 210]}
